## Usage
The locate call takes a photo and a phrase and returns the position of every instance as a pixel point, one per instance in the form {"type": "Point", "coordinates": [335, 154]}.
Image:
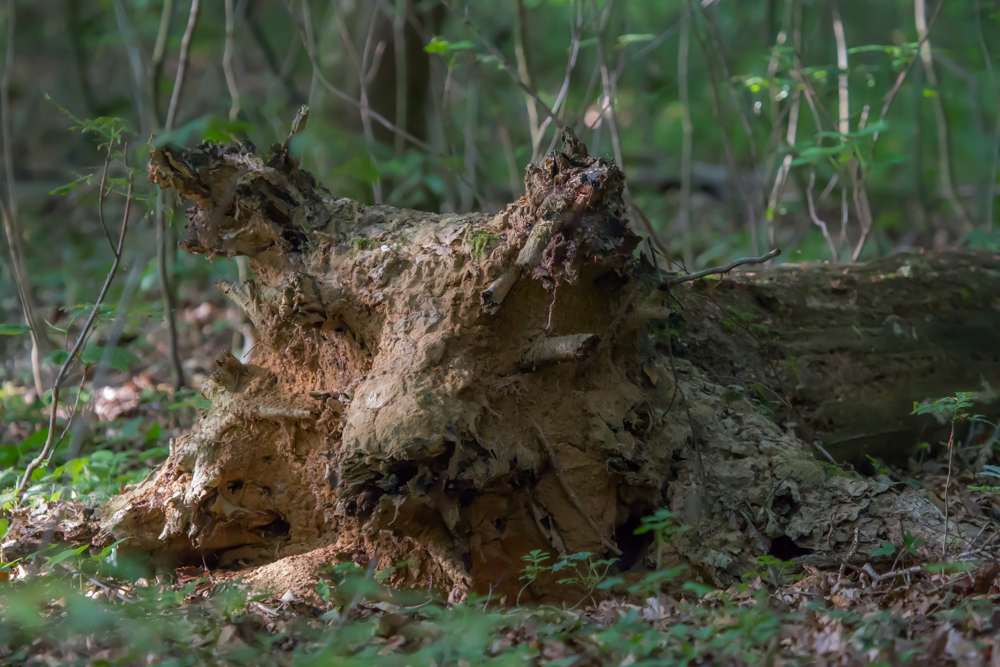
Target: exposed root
{"type": "Point", "coordinates": [568, 490]}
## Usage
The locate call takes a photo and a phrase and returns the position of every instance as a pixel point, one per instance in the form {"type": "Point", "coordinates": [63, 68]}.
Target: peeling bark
{"type": "Point", "coordinates": [415, 398]}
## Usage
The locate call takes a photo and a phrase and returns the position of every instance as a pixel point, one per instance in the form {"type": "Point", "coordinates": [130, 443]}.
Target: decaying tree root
{"type": "Point", "coordinates": [457, 390]}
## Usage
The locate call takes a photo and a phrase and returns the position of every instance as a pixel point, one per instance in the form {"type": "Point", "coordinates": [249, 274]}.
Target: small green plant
{"type": "Point", "coordinates": [988, 471]}
{"type": "Point", "coordinates": [535, 568]}
{"type": "Point", "coordinates": [910, 546]}
{"type": "Point", "coordinates": [663, 526]}
{"type": "Point", "coordinates": [880, 469]}
{"type": "Point", "coordinates": [582, 569]}
{"type": "Point", "coordinates": [652, 582]}
{"type": "Point", "coordinates": [953, 409]}
{"type": "Point", "coordinates": [773, 570]}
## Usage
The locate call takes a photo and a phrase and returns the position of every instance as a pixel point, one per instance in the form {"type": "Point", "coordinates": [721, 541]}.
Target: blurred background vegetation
{"type": "Point", "coordinates": [741, 126]}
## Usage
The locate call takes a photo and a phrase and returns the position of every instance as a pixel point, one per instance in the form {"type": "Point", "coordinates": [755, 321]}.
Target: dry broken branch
{"type": "Point", "coordinates": [667, 284]}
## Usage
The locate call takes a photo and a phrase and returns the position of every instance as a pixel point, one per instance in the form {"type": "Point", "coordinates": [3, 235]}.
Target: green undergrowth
{"type": "Point", "coordinates": [89, 464]}
{"type": "Point", "coordinates": [79, 609]}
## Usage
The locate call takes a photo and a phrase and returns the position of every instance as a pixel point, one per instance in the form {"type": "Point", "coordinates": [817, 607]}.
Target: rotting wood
{"type": "Point", "coordinates": [496, 291]}
{"type": "Point", "coordinates": [430, 452]}
{"type": "Point", "coordinates": [575, 347]}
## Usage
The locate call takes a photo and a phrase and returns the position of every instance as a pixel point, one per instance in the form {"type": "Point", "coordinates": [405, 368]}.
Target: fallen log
{"type": "Point", "coordinates": [455, 391]}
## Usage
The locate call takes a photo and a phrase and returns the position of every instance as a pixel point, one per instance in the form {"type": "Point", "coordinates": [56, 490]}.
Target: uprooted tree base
{"type": "Point", "coordinates": [458, 390]}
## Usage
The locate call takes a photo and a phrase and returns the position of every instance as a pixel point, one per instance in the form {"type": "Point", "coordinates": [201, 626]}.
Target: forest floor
{"type": "Point", "coordinates": [64, 603]}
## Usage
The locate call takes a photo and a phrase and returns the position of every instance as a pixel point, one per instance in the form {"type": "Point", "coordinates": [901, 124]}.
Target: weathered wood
{"type": "Point", "coordinates": [849, 348]}
{"type": "Point", "coordinates": [430, 451]}
{"type": "Point", "coordinates": [574, 347]}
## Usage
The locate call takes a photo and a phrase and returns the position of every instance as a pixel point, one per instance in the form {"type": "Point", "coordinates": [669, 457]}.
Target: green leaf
{"type": "Point", "coordinates": [4, 525]}
{"type": "Point", "coordinates": [949, 567]}
{"type": "Point", "coordinates": [701, 590]}
{"type": "Point", "coordinates": [69, 553]}
{"type": "Point", "coordinates": [58, 358]}
{"type": "Point", "coordinates": [36, 438]}
{"type": "Point", "coordinates": [887, 549]}
{"type": "Point", "coordinates": [610, 582]}
{"type": "Point", "coordinates": [75, 468]}
{"type": "Point", "coordinates": [107, 551]}
{"type": "Point", "coordinates": [9, 456]}
{"type": "Point", "coordinates": [207, 128]}
{"type": "Point", "coordinates": [323, 589]}
{"type": "Point", "coordinates": [118, 357]}
{"type": "Point", "coordinates": [624, 40]}
{"type": "Point", "coordinates": [153, 434]}
{"type": "Point", "coordinates": [11, 329]}
{"type": "Point", "coordinates": [438, 45]}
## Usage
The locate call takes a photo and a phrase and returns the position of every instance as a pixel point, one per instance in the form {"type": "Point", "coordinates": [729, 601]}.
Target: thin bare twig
{"type": "Point", "coordinates": [677, 280]}
{"type": "Point", "coordinates": [227, 63]}
{"type": "Point", "coordinates": [243, 337]}
{"type": "Point", "coordinates": [844, 215]}
{"type": "Point", "coordinates": [786, 165]}
{"type": "Point", "coordinates": [995, 162]}
{"type": "Point", "coordinates": [361, 65]}
{"type": "Point", "coordinates": [175, 94]}
{"type": "Point", "coordinates": [11, 219]}
{"type": "Point", "coordinates": [829, 187]}
{"type": "Point", "coordinates": [280, 72]}
{"type": "Point", "coordinates": [844, 127]}
{"type": "Point", "coordinates": [941, 119]}
{"type": "Point", "coordinates": [78, 346]}
{"type": "Point", "coordinates": [568, 490]}
{"type": "Point", "coordinates": [564, 89]}
{"type": "Point", "coordinates": [521, 55]}
{"type": "Point", "coordinates": [654, 238]}
{"type": "Point", "coordinates": [163, 269]}
{"type": "Point", "coordinates": [399, 52]}
{"type": "Point", "coordinates": [891, 95]}
{"type": "Point", "coordinates": [156, 63]}
{"type": "Point", "coordinates": [310, 44]}
{"type": "Point", "coordinates": [100, 200]}
{"type": "Point", "coordinates": [133, 49]}
{"type": "Point", "coordinates": [870, 571]}
{"type": "Point", "coordinates": [861, 207]}
{"type": "Point", "coordinates": [495, 52]}
{"type": "Point", "coordinates": [374, 115]}
{"type": "Point", "coordinates": [947, 489]}
{"type": "Point", "coordinates": [654, 44]}
{"type": "Point", "coordinates": [844, 105]}
{"type": "Point", "coordinates": [609, 94]}
{"type": "Point", "coordinates": [687, 136]}
{"type": "Point", "coordinates": [727, 145]}
{"type": "Point", "coordinates": [816, 219]}
{"type": "Point", "coordinates": [344, 97]}
{"type": "Point", "coordinates": [720, 50]}
{"type": "Point", "coordinates": [72, 416]}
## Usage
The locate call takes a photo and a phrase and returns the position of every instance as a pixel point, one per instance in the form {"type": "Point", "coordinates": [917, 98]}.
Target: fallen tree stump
{"type": "Point", "coordinates": [456, 391]}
